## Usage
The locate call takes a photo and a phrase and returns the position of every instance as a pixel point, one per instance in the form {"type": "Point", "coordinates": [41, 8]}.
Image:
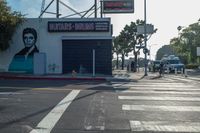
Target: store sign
{"type": "Point", "coordinates": [78, 26]}
{"type": "Point", "coordinates": [118, 6]}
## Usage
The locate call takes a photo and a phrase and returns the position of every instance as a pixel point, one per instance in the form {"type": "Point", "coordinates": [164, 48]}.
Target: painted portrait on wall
{"type": "Point", "coordinates": [23, 60]}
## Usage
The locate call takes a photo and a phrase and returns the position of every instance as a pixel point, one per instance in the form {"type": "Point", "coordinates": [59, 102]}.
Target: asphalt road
{"type": "Point", "coordinates": [165, 104]}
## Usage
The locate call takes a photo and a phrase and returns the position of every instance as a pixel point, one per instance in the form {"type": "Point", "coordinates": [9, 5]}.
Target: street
{"type": "Point", "coordinates": [167, 104]}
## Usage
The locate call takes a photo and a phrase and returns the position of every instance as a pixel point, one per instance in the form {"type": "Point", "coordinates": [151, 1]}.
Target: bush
{"type": "Point", "coordinates": [192, 66]}
{"type": "Point", "coordinates": [9, 20]}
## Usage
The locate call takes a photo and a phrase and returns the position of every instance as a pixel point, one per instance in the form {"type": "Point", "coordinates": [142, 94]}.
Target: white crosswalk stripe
{"type": "Point", "coordinates": [160, 108]}
{"type": "Point", "coordinates": [133, 95]}
{"type": "Point", "coordinates": [163, 98]}
{"type": "Point", "coordinates": [182, 78]}
{"type": "Point", "coordinates": [165, 126]}
{"type": "Point", "coordinates": [161, 92]}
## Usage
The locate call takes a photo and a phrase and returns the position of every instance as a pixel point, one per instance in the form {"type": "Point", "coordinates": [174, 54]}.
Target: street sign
{"type": "Point", "coordinates": [118, 6]}
{"type": "Point", "coordinates": [78, 26]}
{"type": "Point", "coordinates": [141, 29]}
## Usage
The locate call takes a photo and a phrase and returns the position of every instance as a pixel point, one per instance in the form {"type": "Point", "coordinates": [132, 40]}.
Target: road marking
{"type": "Point", "coordinates": [159, 85]}
{"type": "Point", "coordinates": [10, 93]}
{"type": "Point", "coordinates": [95, 117]}
{"type": "Point", "coordinates": [164, 98]}
{"type": "Point", "coordinates": [4, 98]}
{"type": "Point", "coordinates": [165, 126]}
{"type": "Point", "coordinates": [161, 108]}
{"type": "Point", "coordinates": [159, 92]}
{"type": "Point", "coordinates": [50, 120]}
{"type": "Point", "coordinates": [51, 89]}
{"type": "Point", "coordinates": [188, 79]}
{"type": "Point", "coordinates": [169, 79]}
{"type": "Point", "coordinates": [159, 88]}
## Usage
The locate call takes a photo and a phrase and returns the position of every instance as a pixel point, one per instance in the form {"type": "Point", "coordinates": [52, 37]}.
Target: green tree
{"type": "Point", "coordinates": [8, 23]}
{"type": "Point", "coordinates": [185, 45]}
{"type": "Point", "coordinates": [121, 47]}
{"type": "Point", "coordinates": [164, 50]}
{"type": "Point", "coordinates": [127, 41]}
{"type": "Point", "coordinates": [129, 33]}
{"type": "Point", "coordinates": [134, 39]}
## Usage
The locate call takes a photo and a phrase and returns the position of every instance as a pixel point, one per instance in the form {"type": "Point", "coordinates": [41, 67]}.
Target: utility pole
{"type": "Point", "coordinates": [101, 9]}
{"type": "Point", "coordinates": [95, 8]}
{"type": "Point", "coordinates": [57, 8]}
{"type": "Point", "coordinates": [145, 38]}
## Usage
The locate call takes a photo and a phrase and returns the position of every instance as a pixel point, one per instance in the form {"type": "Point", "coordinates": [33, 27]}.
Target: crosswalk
{"type": "Point", "coordinates": [148, 97]}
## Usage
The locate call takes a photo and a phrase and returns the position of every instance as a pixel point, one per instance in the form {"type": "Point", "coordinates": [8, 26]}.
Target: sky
{"type": "Point", "coordinates": [165, 15]}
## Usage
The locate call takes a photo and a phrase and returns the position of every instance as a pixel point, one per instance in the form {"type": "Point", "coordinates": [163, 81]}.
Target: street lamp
{"type": "Point", "coordinates": [179, 28]}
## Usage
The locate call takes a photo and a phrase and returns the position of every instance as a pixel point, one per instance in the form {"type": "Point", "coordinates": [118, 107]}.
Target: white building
{"type": "Point", "coordinates": [62, 45]}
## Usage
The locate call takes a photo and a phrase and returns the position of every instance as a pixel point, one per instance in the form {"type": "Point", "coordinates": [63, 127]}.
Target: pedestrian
{"type": "Point", "coordinates": [132, 66]}
{"type": "Point", "coordinates": [161, 71]}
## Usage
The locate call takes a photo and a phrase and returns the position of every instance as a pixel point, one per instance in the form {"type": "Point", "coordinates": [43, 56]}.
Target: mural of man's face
{"type": "Point", "coordinates": [29, 40]}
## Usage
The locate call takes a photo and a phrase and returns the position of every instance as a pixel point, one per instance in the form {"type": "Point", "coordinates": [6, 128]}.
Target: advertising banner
{"type": "Point", "coordinates": [118, 6]}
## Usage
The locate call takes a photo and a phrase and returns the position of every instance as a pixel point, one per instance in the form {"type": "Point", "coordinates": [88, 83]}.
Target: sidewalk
{"type": "Point", "coordinates": [22, 76]}
{"type": "Point", "coordinates": [134, 76]}
{"type": "Point", "coordinates": [123, 74]}
{"type": "Point", "coordinates": [117, 75]}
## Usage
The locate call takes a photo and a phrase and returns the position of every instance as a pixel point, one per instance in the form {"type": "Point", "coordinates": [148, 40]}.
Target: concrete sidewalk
{"type": "Point", "coordinates": [117, 75]}
{"type": "Point", "coordinates": [123, 74]}
{"type": "Point", "coordinates": [23, 76]}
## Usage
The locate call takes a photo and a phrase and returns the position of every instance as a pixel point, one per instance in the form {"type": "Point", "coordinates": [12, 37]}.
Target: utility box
{"type": "Point", "coordinates": [39, 64]}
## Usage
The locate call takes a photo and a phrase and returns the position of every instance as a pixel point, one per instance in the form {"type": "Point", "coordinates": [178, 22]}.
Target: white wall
{"type": "Point", "coordinates": [49, 43]}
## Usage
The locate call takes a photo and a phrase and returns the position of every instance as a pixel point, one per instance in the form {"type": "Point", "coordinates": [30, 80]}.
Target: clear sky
{"type": "Point", "coordinates": [165, 15]}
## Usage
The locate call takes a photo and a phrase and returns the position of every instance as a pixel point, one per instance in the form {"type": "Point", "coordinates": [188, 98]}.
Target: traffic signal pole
{"type": "Point", "coordinates": [57, 8]}
{"type": "Point", "coordinates": [145, 39]}
{"type": "Point", "coordinates": [95, 8]}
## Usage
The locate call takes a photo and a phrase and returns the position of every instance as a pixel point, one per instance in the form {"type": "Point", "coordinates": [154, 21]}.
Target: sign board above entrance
{"type": "Point", "coordinates": [118, 6]}
{"type": "Point", "coordinates": [78, 26]}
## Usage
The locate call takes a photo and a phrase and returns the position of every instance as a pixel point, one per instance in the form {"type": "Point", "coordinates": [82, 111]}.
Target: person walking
{"type": "Point", "coordinates": [161, 71]}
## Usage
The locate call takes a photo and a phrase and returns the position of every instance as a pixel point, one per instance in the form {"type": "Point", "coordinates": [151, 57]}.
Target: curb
{"type": "Point", "coordinates": [53, 78]}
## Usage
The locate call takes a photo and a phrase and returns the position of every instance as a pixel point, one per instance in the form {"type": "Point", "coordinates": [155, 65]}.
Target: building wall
{"type": "Point", "coordinates": [49, 43]}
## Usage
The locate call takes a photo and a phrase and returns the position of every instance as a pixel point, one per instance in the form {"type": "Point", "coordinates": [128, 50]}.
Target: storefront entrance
{"type": "Point", "coordinates": [78, 55]}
